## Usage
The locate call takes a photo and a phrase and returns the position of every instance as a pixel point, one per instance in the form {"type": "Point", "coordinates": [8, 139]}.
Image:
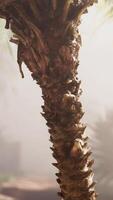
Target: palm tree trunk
{"type": "Point", "coordinates": [48, 43]}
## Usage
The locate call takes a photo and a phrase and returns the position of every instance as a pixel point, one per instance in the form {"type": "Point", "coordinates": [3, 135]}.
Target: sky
{"type": "Point", "coordinates": [20, 101]}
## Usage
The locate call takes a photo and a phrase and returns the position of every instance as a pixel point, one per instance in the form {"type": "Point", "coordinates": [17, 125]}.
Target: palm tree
{"type": "Point", "coordinates": [46, 32]}
{"type": "Point", "coordinates": [102, 148]}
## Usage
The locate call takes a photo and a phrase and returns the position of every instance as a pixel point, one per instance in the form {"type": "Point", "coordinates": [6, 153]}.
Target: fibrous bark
{"type": "Point", "coordinates": [46, 32]}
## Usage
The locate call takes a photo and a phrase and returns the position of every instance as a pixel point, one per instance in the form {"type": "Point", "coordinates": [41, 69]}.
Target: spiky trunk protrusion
{"type": "Point", "coordinates": [46, 32]}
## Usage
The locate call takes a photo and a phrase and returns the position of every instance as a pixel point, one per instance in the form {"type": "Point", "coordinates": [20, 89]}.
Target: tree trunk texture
{"type": "Point", "coordinates": [46, 32]}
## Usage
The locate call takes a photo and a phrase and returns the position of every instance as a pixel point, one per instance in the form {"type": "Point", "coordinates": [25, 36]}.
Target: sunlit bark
{"type": "Point", "coordinates": [46, 32]}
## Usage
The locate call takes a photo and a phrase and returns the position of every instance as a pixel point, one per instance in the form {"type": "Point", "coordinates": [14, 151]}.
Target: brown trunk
{"type": "Point", "coordinates": [48, 42]}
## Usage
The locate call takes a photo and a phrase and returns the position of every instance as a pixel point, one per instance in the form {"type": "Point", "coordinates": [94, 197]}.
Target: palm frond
{"type": "Point", "coordinates": [107, 7]}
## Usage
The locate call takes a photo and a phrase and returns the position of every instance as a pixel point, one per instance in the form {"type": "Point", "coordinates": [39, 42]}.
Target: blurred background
{"type": "Point", "coordinates": [25, 155]}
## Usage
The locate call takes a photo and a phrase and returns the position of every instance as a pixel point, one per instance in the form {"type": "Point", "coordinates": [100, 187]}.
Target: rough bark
{"type": "Point", "coordinates": [46, 32]}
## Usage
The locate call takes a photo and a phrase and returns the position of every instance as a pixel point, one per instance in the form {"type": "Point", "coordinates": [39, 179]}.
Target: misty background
{"type": "Point", "coordinates": [20, 105]}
